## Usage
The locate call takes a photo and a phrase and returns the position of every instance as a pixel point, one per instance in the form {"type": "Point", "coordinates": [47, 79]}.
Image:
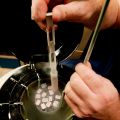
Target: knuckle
{"type": "Point", "coordinates": [87, 112]}
{"type": "Point", "coordinates": [85, 72]}
{"type": "Point", "coordinates": [88, 76]}
{"type": "Point", "coordinates": [72, 78]}
{"type": "Point", "coordinates": [67, 88]}
{"type": "Point", "coordinates": [78, 113]}
{"type": "Point", "coordinates": [97, 107]}
{"type": "Point", "coordinates": [77, 66]}
{"type": "Point", "coordinates": [94, 106]}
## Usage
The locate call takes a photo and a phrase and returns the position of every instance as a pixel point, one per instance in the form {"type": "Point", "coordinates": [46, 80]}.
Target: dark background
{"type": "Point", "coordinates": [21, 35]}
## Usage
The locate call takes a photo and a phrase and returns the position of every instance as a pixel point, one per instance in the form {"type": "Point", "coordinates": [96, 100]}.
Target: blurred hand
{"type": "Point", "coordinates": [84, 11]}
{"type": "Point", "coordinates": [91, 95]}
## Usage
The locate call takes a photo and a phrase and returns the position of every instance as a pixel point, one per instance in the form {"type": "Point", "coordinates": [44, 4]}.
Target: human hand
{"type": "Point", "coordinates": [91, 95]}
{"type": "Point", "coordinates": [39, 9]}
{"type": "Point", "coordinates": [83, 11]}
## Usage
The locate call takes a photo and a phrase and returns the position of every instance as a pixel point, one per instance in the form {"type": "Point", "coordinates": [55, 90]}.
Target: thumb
{"type": "Point", "coordinates": [88, 64]}
{"type": "Point", "coordinates": [69, 11]}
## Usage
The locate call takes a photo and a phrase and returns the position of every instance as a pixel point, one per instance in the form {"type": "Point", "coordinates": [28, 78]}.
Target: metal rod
{"type": "Point", "coordinates": [15, 103]}
{"type": "Point", "coordinates": [96, 31]}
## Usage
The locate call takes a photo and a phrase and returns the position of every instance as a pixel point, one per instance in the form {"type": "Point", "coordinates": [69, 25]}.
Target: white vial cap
{"type": "Point", "coordinates": [44, 85]}
{"type": "Point", "coordinates": [48, 104]}
{"type": "Point", "coordinates": [50, 98]}
{"type": "Point", "coordinates": [44, 99]}
{"type": "Point", "coordinates": [39, 90]}
{"type": "Point", "coordinates": [43, 106]}
{"type": "Point", "coordinates": [51, 92]}
{"type": "Point", "coordinates": [37, 102]}
{"type": "Point", "coordinates": [37, 96]}
{"type": "Point", "coordinates": [55, 104]}
{"type": "Point", "coordinates": [58, 97]}
{"type": "Point", "coordinates": [44, 94]}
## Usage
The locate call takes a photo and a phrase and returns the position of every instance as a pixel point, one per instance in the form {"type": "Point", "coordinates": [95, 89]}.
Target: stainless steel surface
{"type": "Point", "coordinates": [20, 103]}
{"type": "Point", "coordinates": [51, 48]}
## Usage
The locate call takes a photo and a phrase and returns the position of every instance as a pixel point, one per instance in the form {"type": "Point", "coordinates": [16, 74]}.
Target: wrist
{"type": "Point", "coordinates": [115, 113]}
{"type": "Point", "coordinates": [116, 116]}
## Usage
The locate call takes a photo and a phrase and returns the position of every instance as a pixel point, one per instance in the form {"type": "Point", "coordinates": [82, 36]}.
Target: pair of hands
{"type": "Point", "coordinates": [84, 11]}
{"type": "Point", "coordinates": [87, 93]}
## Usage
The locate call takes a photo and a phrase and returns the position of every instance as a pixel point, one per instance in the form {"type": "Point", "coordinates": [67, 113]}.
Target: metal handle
{"type": "Point", "coordinates": [96, 31]}
{"type": "Point", "coordinates": [51, 48]}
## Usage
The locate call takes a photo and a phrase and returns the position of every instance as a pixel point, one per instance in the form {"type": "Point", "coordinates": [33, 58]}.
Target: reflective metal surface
{"type": "Point", "coordinates": [18, 92]}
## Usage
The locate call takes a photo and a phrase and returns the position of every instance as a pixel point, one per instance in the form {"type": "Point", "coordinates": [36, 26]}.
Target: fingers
{"type": "Point", "coordinates": [80, 87]}
{"type": "Point", "coordinates": [77, 104]}
{"type": "Point", "coordinates": [66, 12]}
{"type": "Point", "coordinates": [89, 94]}
{"type": "Point", "coordinates": [87, 63]}
{"type": "Point", "coordinates": [91, 79]}
{"type": "Point", "coordinates": [39, 9]}
{"type": "Point", "coordinates": [41, 24]}
{"type": "Point", "coordinates": [83, 11]}
{"type": "Point", "coordinates": [72, 95]}
{"type": "Point", "coordinates": [38, 12]}
{"type": "Point", "coordinates": [75, 11]}
{"type": "Point", "coordinates": [75, 109]}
